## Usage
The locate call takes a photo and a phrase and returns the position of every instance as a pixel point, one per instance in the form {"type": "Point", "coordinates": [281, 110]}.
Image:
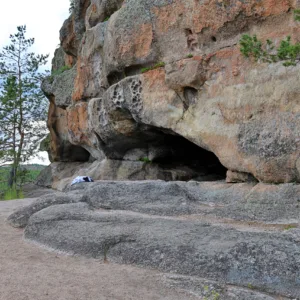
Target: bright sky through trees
{"type": "Point", "coordinates": [43, 19]}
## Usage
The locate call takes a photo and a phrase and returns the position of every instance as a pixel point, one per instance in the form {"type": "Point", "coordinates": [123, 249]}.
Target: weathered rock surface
{"type": "Point", "coordinates": [160, 90]}
{"type": "Point", "coordinates": [246, 235]}
{"type": "Point", "coordinates": [204, 92]}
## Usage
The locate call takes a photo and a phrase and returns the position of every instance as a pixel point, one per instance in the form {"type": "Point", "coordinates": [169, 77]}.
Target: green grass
{"type": "Point", "coordinates": [156, 66]}
{"type": "Point", "coordinates": [190, 55]}
{"type": "Point", "coordinates": [58, 72]}
{"type": "Point", "coordinates": [145, 159]}
{"type": "Point", "coordinates": [30, 175]}
{"type": "Point", "coordinates": [290, 226]}
{"type": "Point", "coordinates": [297, 14]}
{"type": "Point", "coordinates": [12, 194]}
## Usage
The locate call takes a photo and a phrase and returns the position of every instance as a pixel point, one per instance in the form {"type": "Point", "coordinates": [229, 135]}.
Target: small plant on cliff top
{"type": "Point", "coordinates": [58, 72]}
{"type": "Point", "coordinates": [156, 66]}
{"type": "Point", "coordinates": [145, 159]}
{"type": "Point", "coordinates": [287, 52]}
{"type": "Point", "coordinates": [297, 14]}
{"type": "Point", "coordinates": [251, 46]}
{"type": "Point", "coordinates": [290, 226]}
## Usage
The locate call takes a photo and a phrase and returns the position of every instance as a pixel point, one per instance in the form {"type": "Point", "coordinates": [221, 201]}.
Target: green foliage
{"type": "Point", "coordinates": [290, 226]}
{"type": "Point", "coordinates": [106, 19]}
{"type": "Point", "coordinates": [156, 66]}
{"type": "Point", "coordinates": [23, 106]}
{"type": "Point", "coordinates": [250, 286]}
{"type": "Point", "coordinates": [288, 52]}
{"type": "Point", "coordinates": [26, 174]}
{"type": "Point", "coordinates": [190, 56]}
{"type": "Point", "coordinates": [251, 46]}
{"type": "Point", "coordinates": [12, 194]}
{"type": "Point", "coordinates": [297, 14]}
{"type": "Point", "coordinates": [58, 72]}
{"type": "Point", "coordinates": [145, 159]}
{"type": "Point", "coordinates": [210, 295]}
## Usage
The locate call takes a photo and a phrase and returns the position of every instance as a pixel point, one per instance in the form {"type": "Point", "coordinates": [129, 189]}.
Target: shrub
{"type": "Point", "coordinates": [251, 46]}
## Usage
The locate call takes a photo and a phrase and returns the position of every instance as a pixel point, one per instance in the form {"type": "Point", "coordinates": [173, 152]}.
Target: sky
{"type": "Point", "coordinates": [43, 19]}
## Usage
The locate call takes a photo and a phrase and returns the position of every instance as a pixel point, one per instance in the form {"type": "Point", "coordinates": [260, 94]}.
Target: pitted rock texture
{"type": "Point", "coordinates": [214, 232]}
{"type": "Point", "coordinates": [202, 90]}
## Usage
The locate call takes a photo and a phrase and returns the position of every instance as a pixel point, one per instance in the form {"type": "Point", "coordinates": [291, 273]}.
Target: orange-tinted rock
{"type": "Point", "coordinates": [61, 148]}
{"type": "Point", "coordinates": [245, 112]}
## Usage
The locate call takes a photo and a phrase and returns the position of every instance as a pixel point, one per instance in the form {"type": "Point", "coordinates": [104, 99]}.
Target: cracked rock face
{"type": "Point", "coordinates": [202, 90]}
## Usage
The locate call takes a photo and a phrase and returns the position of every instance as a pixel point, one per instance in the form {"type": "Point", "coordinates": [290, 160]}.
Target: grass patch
{"type": "Point", "coordinates": [27, 174]}
{"type": "Point", "coordinates": [145, 159]}
{"type": "Point", "coordinates": [156, 66]}
{"type": "Point", "coordinates": [12, 194]}
{"type": "Point", "coordinates": [190, 55]}
{"type": "Point", "coordinates": [297, 14]}
{"type": "Point", "coordinates": [290, 226]}
{"type": "Point", "coordinates": [58, 72]}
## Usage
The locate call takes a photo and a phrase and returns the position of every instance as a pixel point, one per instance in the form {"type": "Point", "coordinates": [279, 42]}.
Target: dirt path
{"type": "Point", "coordinates": [28, 272]}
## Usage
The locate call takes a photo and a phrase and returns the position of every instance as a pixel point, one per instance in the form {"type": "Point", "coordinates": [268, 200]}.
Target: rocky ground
{"type": "Point", "coordinates": [33, 273]}
{"type": "Point", "coordinates": [212, 240]}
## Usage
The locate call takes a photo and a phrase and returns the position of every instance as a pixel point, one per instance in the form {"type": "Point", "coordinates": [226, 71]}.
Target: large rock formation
{"type": "Point", "coordinates": [204, 95]}
{"type": "Point", "coordinates": [218, 240]}
{"type": "Point", "coordinates": [148, 89]}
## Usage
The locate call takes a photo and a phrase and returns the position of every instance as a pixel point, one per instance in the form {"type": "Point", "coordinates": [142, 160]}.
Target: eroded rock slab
{"type": "Point", "coordinates": [246, 235]}
{"type": "Point", "coordinates": [264, 260]}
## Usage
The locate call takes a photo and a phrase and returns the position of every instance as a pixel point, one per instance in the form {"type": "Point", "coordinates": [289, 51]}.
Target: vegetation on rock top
{"type": "Point", "coordinates": [289, 53]}
{"type": "Point", "coordinates": [156, 66]}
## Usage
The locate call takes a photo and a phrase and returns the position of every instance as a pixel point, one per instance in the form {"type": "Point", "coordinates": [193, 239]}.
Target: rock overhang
{"type": "Point", "coordinates": [176, 66]}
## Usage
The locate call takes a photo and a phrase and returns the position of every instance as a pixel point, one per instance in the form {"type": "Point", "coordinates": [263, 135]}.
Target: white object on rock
{"type": "Point", "coordinates": [79, 179]}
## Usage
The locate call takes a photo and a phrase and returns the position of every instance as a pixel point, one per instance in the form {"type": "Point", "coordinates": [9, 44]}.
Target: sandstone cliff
{"type": "Point", "coordinates": [203, 109]}
{"type": "Point", "coordinates": [159, 89]}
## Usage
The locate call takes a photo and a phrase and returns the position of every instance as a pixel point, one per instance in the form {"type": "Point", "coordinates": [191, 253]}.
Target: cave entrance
{"type": "Point", "coordinates": [170, 152]}
{"type": "Point", "coordinates": [174, 151]}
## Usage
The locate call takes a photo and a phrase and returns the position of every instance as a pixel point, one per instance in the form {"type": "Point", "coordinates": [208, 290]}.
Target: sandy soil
{"type": "Point", "coordinates": [28, 272]}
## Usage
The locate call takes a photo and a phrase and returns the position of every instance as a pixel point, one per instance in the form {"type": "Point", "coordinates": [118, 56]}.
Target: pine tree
{"type": "Point", "coordinates": [22, 103]}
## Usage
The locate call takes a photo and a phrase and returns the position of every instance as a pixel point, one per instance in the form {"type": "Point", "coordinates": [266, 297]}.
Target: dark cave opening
{"type": "Point", "coordinates": [180, 152]}
{"type": "Point", "coordinates": [163, 148]}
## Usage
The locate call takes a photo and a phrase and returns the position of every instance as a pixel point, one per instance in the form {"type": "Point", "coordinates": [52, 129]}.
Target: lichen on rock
{"type": "Point", "coordinates": [201, 90]}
